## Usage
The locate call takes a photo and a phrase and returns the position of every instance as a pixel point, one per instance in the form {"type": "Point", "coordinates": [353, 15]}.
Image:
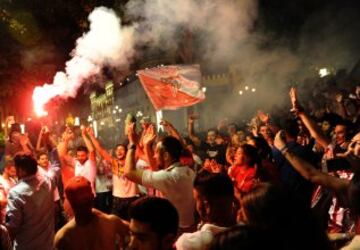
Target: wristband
{"type": "Point", "coordinates": [284, 149]}
{"type": "Point", "coordinates": [132, 146]}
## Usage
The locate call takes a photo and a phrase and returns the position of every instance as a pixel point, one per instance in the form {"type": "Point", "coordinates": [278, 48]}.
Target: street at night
{"type": "Point", "coordinates": [182, 124]}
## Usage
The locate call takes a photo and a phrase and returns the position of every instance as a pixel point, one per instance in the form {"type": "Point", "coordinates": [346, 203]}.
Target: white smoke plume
{"type": "Point", "coordinates": [220, 25]}
{"type": "Point", "coordinates": [105, 44]}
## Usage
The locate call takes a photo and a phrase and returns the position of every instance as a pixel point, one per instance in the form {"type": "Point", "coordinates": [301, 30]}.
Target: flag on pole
{"type": "Point", "coordinates": [172, 87]}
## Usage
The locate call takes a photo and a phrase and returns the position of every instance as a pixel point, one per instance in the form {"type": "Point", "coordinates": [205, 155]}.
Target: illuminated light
{"type": "Point", "coordinates": [40, 97]}
{"type": "Point", "coordinates": [121, 84]}
{"type": "Point", "coordinates": [118, 120]}
{"type": "Point", "coordinates": [77, 121]}
{"type": "Point", "coordinates": [246, 87]}
{"type": "Point", "coordinates": [29, 119]}
{"type": "Point", "coordinates": [56, 123]}
{"type": "Point", "coordinates": [116, 107]}
{"type": "Point", "coordinates": [114, 111]}
{"type": "Point", "coordinates": [253, 89]}
{"type": "Point", "coordinates": [89, 118]}
{"type": "Point", "coordinates": [324, 72]}
{"type": "Point", "coordinates": [22, 128]}
{"type": "Point", "coordinates": [120, 110]}
{"type": "Point", "coordinates": [240, 92]}
{"type": "Point", "coordinates": [3, 125]}
{"type": "Point", "coordinates": [203, 89]}
{"type": "Point", "coordinates": [102, 123]}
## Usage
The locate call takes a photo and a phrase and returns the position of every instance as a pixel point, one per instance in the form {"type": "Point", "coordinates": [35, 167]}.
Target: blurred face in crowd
{"type": "Point", "coordinates": [190, 147]}
{"type": "Point", "coordinates": [10, 171]}
{"type": "Point", "coordinates": [265, 132]}
{"type": "Point", "coordinates": [240, 157]}
{"type": "Point", "coordinates": [120, 152]}
{"type": "Point", "coordinates": [43, 161]}
{"type": "Point", "coordinates": [235, 140]}
{"type": "Point", "coordinates": [15, 137]}
{"type": "Point", "coordinates": [81, 156]}
{"type": "Point", "coordinates": [143, 238]}
{"type": "Point", "coordinates": [241, 135]}
{"type": "Point", "coordinates": [340, 134]}
{"type": "Point", "coordinates": [325, 126]}
{"type": "Point", "coordinates": [161, 156]}
{"type": "Point", "coordinates": [211, 137]}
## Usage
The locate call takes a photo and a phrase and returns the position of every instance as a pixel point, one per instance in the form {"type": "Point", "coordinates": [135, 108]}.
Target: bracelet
{"type": "Point", "coordinates": [284, 149]}
{"type": "Point", "coordinates": [132, 146]}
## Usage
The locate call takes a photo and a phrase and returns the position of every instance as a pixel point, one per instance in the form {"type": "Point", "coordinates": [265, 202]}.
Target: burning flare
{"type": "Point", "coordinates": [106, 43]}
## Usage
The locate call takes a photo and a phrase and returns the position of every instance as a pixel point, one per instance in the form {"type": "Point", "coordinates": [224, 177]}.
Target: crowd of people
{"type": "Point", "coordinates": [290, 182]}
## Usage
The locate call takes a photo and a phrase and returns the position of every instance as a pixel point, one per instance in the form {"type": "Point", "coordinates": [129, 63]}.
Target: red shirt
{"type": "Point", "coordinates": [243, 177]}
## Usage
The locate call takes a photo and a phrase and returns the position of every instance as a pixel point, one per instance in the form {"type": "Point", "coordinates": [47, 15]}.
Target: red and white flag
{"type": "Point", "coordinates": [172, 87]}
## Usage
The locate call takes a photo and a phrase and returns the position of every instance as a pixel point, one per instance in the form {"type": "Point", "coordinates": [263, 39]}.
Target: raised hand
{"type": "Point", "coordinates": [10, 120]}
{"type": "Point", "coordinates": [165, 123]}
{"type": "Point", "coordinates": [132, 135]}
{"type": "Point", "coordinates": [293, 98]}
{"type": "Point", "coordinates": [90, 131]}
{"type": "Point", "coordinates": [149, 136]}
{"type": "Point", "coordinates": [44, 129]}
{"type": "Point", "coordinates": [68, 135]}
{"type": "Point", "coordinates": [265, 118]}
{"type": "Point", "coordinates": [279, 142]}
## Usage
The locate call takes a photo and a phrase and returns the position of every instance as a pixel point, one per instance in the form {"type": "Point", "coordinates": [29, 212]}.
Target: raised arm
{"type": "Point", "coordinates": [88, 144]}
{"type": "Point", "coordinates": [196, 140]}
{"type": "Point", "coordinates": [40, 137]}
{"type": "Point", "coordinates": [171, 130]}
{"type": "Point", "coordinates": [25, 144]}
{"type": "Point", "coordinates": [63, 148]}
{"type": "Point", "coordinates": [265, 118]}
{"type": "Point", "coordinates": [306, 170]}
{"type": "Point", "coordinates": [314, 130]}
{"type": "Point", "coordinates": [131, 172]}
{"type": "Point", "coordinates": [148, 140]}
{"type": "Point", "coordinates": [104, 154]}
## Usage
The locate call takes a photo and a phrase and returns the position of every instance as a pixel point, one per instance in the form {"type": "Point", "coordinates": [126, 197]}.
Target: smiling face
{"type": "Point", "coordinates": [120, 152]}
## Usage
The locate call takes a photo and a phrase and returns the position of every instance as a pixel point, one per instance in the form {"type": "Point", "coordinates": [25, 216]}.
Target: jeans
{"type": "Point", "coordinates": [120, 206]}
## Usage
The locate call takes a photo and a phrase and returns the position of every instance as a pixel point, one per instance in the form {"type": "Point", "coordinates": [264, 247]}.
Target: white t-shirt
{"type": "Point", "coordinates": [199, 240]}
{"type": "Point", "coordinates": [48, 173]}
{"type": "Point", "coordinates": [175, 184]}
{"type": "Point", "coordinates": [7, 183]}
{"type": "Point", "coordinates": [87, 170]}
{"type": "Point", "coordinates": [122, 186]}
